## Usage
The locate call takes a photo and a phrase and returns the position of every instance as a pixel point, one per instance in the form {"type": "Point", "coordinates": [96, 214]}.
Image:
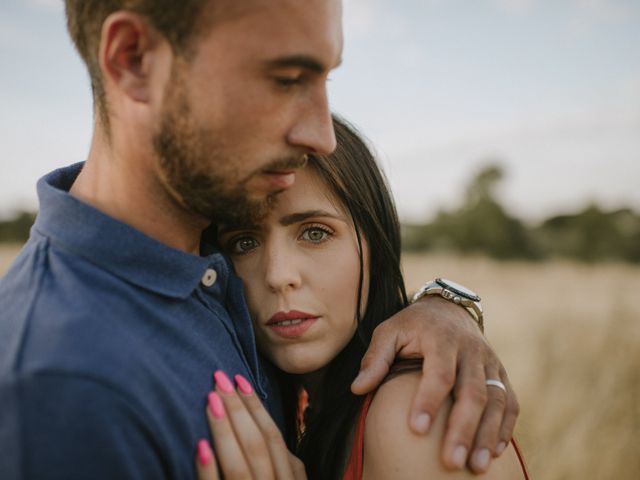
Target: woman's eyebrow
{"type": "Point", "coordinates": [232, 228]}
{"type": "Point", "coordinates": [284, 221]}
{"type": "Point", "coordinates": [301, 216]}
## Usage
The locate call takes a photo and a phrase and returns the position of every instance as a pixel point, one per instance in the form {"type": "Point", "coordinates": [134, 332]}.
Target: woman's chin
{"type": "Point", "coordinates": [299, 366]}
{"type": "Point", "coordinates": [297, 369]}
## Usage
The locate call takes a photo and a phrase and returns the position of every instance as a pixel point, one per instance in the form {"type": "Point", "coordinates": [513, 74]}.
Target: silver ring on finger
{"type": "Point", "coordinates": [496, 383]}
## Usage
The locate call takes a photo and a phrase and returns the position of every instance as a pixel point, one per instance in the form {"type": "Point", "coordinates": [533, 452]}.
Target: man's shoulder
{"type": "Point", "coordinates": [60, 313]}
{"type": "Point", "coordinates": [76, 374]}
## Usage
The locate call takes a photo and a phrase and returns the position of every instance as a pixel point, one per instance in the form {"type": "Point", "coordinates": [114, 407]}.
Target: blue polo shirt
{"type": "Point", "coordinates": [108, 342]}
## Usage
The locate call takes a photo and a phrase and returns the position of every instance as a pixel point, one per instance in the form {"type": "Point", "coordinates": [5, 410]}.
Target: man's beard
{"type": "Point", "coordinates": [188, 158]}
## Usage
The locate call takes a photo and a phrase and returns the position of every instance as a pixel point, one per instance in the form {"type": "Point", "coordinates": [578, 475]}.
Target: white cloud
{"type": "Point", "coordinates": [361, 17]}
{"type": "Point", "coordinates": [515, 6]}
{"type": "Point", "coordinates": [46, 4]}
{"type": "Point", "coordinates": [12, 34]}
{"type": "Point", "coordinates": [366, 18]}
{"type": "Point", "coordinates": [589, 14]}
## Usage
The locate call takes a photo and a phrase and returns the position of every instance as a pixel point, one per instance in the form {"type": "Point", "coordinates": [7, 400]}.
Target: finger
{"type": "Point", "coordinates": [297, 467]}
{"type": "Point", "coordinates": [486, 439]}
{"type": "Point", "coordinates": [438, 377]}
{"type": "Point", "coordinates": [470, 399]}
{"type": "Point", "coordinates": [246, 431]}
{"type": "Point", "coordinates": [270, 432]}
{"type": "Point", "coordinates": [206, 465]}
{"type": "Point", "coordinates": [512, 410]}
{"type": "Point", "coordinates": [229, 452]}
{"type": "Point", "coordinates": [376, 361]}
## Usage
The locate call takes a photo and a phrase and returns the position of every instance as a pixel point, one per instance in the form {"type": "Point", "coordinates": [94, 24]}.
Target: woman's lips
{"type": "Point", "coordinates": [291, 324]}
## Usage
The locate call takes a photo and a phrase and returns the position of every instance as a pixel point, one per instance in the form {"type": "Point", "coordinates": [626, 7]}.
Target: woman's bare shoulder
{"type": "Point", "coordinates": [392, 450]}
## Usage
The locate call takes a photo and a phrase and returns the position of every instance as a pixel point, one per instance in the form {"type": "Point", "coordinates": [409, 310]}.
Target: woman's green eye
{"type": "Point", "coordinates": [315, 235]}
{"type": "Point", "coordinates": [243, 245]}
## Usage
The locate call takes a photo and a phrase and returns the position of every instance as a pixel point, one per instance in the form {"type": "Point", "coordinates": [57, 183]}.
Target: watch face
{"type": "Point", "coordinates": [457, 288]}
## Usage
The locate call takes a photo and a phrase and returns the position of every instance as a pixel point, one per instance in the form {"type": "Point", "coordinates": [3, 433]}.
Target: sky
{"type": "Point", "coordinates": [548, 89]}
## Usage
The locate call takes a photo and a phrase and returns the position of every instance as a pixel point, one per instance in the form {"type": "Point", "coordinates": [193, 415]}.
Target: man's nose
{"type": "Point", "coordinates": [313, 130]}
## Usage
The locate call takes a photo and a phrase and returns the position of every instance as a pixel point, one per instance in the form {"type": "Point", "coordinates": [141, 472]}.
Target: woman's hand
{"type": "Point", "coordinates": [247, 441]}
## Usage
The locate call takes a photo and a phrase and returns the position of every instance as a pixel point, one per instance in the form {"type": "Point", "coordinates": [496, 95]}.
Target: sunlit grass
{"type": "Point", "coordinates": [7, 253]}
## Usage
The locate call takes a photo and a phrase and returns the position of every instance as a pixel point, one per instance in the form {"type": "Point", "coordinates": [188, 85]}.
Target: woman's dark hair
{"type": "Point", "coordinates": [356, 180]}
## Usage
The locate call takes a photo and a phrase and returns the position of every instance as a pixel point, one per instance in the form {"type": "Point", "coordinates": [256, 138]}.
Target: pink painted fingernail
{"type": "Point", "coordinates": [215, 405]}
{"type": "Point", "coordinates": [500, 448]}
{"type": "Point", "coordinates": [223, 381]}
{"type": "Point", "coordinates": [243, 384]}
{"type": "Point", "coordinates": [205, 455]}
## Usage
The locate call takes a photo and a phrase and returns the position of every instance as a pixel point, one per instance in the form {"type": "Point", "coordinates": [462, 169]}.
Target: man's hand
{"type": "Point", "coordinates": [448, 339]}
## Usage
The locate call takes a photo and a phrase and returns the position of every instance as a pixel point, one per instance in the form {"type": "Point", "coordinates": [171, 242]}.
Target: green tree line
{"type": "Point", "coordinates": [482, 226]}
{"type": "Point", "coordinates": [16, 229]}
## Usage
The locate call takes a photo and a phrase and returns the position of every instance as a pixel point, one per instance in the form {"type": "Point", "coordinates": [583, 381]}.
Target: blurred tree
{"type": "Point", "coordinates": [481, 225]}
{"type": "Point", "coordinates": [593, 235]}
{"type": "Point", "coordinates": [17, 229]}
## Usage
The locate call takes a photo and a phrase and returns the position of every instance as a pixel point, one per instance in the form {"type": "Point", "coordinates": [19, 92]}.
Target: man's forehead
{"type": "Point", "coordinates": [230, 10]}
{"type": "Point", "coordinates": [280, 31]}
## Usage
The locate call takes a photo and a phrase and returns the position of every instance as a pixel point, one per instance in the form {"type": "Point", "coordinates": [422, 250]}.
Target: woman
{"type": "Point", "coordinates": [321, 272]}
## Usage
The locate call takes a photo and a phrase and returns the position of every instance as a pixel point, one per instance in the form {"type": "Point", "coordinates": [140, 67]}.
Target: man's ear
{"type": "Point", "coordinates": [128, 49]}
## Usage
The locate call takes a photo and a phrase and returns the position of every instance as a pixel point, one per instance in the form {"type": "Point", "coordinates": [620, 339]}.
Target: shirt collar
{"type": "Point", "coordinates": [85, 231]}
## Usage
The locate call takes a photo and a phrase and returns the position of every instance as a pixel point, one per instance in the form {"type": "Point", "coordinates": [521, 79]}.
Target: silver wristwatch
{"type": "Point", "coordinates": [455, 293]}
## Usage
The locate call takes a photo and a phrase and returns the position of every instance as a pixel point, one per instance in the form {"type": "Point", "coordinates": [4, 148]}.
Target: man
{"type": "Point", "coordinates": [114, 315]}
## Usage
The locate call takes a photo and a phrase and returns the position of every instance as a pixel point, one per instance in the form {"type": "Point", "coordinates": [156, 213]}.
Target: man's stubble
{"type": "Point", "coordinates": [197, 174]}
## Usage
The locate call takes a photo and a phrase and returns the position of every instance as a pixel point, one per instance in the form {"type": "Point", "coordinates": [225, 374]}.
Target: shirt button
{"type": "Point", "coordinates": [209, 277]}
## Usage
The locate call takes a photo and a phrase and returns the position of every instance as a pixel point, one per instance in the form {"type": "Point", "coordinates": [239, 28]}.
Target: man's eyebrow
{"type": "Point", "coordinates": [300, 61]}
{"type": "Point", "coordinates": [301, 216]}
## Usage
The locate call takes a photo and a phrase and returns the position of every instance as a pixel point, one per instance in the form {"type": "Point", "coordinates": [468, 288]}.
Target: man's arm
{"type": "Point", "coordinates": [65, 427]}
{"type": "Point", "coordinates": [446, 336]}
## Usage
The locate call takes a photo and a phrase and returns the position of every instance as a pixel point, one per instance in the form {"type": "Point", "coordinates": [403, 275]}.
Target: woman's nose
{"type": "Point", "coordinates": [281, 271]}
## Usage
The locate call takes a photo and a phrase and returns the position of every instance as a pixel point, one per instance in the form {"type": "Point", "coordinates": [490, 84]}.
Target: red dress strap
{"type": "Point", "coordinates": [516, 447]}
{"type": "Point", "coordinates": [356, 459]}
{"type": "Point", "coordinates": [355, 465]}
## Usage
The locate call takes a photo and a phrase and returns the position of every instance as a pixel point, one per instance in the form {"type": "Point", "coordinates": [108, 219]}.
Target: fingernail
{"type": "Point", "coordinates": [480, 459]}
{"type": "Point", "coordinates": [205, 455]}
{"type": "Point", "coordinates": [243, 384]}
{"type": "Point", "coordinates": [215, 405]}
{"type": "Point", "coordinates": [223, 381]}
{"type": "Point", "coordinates": [421, 422]}
{"type": "Point", "coordinates": [500, 448]}
{"type": "Point", "coordinates": [459, 456]}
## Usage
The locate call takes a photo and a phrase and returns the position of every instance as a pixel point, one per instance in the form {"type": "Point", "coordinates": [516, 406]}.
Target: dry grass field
{"type": "Point", "coordinates": [7, 254]}
{"type": "Point", "coordinates": [569, 335]}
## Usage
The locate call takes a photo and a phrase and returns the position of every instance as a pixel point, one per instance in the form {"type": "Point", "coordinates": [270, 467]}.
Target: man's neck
{"type": "Point", "coordinates": [128, 190]}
